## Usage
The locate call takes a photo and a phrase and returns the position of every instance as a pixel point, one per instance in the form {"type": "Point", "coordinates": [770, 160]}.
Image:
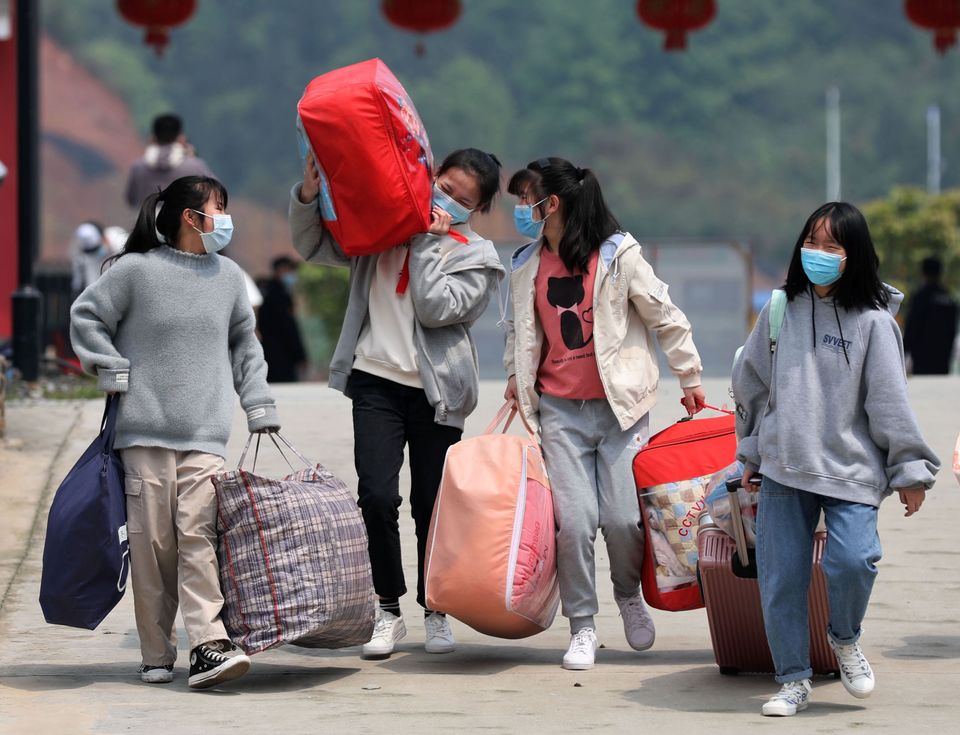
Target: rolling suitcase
{"type": "Point", "coordinates": [728, 582]}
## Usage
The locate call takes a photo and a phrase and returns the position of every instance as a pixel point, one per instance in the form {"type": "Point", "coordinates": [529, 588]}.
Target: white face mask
{"type": "Point", "coordinates": [219, 238]}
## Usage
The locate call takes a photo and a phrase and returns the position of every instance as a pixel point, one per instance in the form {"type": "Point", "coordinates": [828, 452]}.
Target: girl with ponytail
{"type": "Point", "coordinates": [581, 366]}
{"type": "Point", "coordinates": [169, 329]}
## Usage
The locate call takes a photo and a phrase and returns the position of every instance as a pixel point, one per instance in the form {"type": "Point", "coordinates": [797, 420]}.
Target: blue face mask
{"type": "Point", "coordinates": [524, 222]}
{"type": "Point", "coordinates": [821, 268]}
{"type": "Point", "coordinates": [219, 238]}
{"type": "Point", "coordinates": [289, 280]}
{"type": "Point", "coordinates": [451, 206]}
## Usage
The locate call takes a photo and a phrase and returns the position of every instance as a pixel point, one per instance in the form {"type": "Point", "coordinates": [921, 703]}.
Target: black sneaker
{"type": "Point", "coordinates": [214, 663]}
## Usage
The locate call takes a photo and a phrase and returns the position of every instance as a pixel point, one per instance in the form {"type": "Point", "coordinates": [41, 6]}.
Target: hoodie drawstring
{"type": "Point", "coordinates": [843, 342]}
{"type": "Point", "coordinates": [836, 315]}
{"type": "Point", "coordinates": [813, 317]}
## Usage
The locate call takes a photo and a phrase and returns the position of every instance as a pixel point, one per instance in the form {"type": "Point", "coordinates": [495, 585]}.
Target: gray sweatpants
{"type": "Point", "coordinates": [590, 463]}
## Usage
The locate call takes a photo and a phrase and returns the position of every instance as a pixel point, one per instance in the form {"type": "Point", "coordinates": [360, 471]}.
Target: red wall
{"type": "Point", "coordinates": [8, 190]}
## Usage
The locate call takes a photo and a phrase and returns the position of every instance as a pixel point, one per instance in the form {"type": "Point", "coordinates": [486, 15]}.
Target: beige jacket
{"type": "Point", "coordinates": [623, 336]}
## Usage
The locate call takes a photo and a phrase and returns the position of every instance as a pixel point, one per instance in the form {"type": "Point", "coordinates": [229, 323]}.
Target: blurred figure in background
{"type": "Point", "coordinates": [168, 157]}
{"type": "Point", "coordinates": [92, 243]}
{"type": "Point", "coordinates": [931, 324]}
{"type": "Point", "coordinates": [88, 249]}
{"type": "Point", "coordinates": [279, 331]}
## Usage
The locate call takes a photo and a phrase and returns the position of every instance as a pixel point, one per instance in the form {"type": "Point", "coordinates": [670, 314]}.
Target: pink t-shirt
{"type": "Point", "coordinates": [564, 304]}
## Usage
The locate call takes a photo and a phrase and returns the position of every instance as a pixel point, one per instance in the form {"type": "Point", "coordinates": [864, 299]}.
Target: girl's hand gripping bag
{"type": "Point", "coordinates": [374, 158]}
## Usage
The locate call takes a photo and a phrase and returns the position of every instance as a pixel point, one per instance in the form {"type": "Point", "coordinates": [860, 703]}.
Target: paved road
{"type": "Point", "coordinates": [61, 680]}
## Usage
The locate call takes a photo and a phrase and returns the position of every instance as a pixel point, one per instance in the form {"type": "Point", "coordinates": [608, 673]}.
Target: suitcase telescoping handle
{"type": "Point", "coordinates": [739, 536]}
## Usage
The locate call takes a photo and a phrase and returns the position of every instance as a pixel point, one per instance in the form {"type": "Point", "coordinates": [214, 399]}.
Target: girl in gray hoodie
{"type": "Point", "coordinates": [823, 415]}
{"type": "Point", "coordinates": [406, 359]}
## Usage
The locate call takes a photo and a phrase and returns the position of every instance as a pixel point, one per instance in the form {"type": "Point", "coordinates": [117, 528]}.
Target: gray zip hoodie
{"type": "Point", "coordinates": [447, 300]}
{"type": "Point", "coordinates": [827, 411]}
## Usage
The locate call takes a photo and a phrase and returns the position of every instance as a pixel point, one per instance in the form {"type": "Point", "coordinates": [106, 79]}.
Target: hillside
{"type": "Point", "coordinates": [724, 140]}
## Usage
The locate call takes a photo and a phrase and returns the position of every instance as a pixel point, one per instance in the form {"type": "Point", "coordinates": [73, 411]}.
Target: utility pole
{"type": "Point", "coordinates": [933, 149]}
{"type": "Point", "coordinates": [833, 144]}
{"type": "Point", "coordinates": [27, 302]}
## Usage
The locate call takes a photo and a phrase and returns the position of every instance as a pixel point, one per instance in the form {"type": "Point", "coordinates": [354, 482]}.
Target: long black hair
{"type": "Point", "coordinates": [484, 167]}
{"type": "Point", "coordinates": [187, 192]}
{"type": "Point", "coordinates": [587, 219]}
{"type": "Point", "coordinates": [859, 286]}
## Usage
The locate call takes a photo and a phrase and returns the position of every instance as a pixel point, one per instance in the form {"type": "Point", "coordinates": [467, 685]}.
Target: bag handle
{"type": "Point", "coordinates": [273, 437]}
{"type": "Point", "coordinates": [705, 405]}
{"type": "Point", "coordinates": [509, 410]}
{"type": "Point", "coordinates": [108, 424]}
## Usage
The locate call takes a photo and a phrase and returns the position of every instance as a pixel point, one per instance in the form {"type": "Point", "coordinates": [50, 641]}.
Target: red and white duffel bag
{"type": "Point", "coordinates": [675, 472]}
{"type": "Point", "coordinates": [376, 167]}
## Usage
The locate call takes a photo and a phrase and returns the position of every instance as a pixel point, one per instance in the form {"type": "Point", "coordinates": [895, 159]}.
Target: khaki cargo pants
{"type": "Point", "coordinates": [172, 528]}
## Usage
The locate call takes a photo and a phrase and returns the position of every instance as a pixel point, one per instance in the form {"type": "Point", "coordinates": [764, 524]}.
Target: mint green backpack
{"type": "Point", "coordinates": [778, 308]}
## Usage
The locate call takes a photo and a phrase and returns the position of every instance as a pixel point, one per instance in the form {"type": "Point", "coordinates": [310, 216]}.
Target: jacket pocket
{"type": "Point", "coordinates": [133, 488]}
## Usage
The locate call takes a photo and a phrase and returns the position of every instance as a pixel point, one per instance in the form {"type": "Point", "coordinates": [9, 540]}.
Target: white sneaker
{"type": "Point", "coordinates": [855, 671]}
{"type": "Point", "coordinates": [637, 623]}
{"type": "Point", "coordinates": [388, 630]}
{"type": "Point", "coordinates": [582, 651]}
{"type": "Point", "coordinates": [156, 674]}
{"type": "Point", "coordinates": [793, 697]}
{"type": "Point", "coordinates": [439, 636]}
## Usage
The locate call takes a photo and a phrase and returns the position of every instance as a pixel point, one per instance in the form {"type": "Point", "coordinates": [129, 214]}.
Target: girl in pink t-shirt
{"type": "Point", "coordinates": [580, 364]}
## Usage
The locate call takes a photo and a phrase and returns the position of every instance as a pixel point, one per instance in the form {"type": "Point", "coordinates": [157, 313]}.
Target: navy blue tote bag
{"type": "Point", "coordinates": [85, 554]}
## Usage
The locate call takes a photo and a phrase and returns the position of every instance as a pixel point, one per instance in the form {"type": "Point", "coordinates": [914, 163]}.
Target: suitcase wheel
{"type": "Point", "coordinates": [729, 670]}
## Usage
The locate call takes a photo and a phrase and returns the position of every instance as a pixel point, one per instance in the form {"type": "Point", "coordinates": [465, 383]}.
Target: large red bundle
{"type": "Point", "coordinates": [376, 167]}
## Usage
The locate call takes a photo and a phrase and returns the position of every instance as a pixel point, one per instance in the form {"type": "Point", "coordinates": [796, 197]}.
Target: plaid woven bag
{"type": "Point", "coordinates": [294, 565]}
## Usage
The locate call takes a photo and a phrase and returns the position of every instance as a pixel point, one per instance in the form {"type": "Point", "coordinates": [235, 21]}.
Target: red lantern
{"type": "Point", "coordinates": [940, 16]}
{"type": "Point", "coordinates": [158, 16]}
{"type": "Point", "coordinates": [422, 16]}
{"type": "Point", "coordinates": [677, 18]}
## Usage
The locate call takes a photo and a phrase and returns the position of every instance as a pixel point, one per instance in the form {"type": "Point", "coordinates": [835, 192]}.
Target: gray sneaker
{"type": "Point", "coordinates": [637, 623]}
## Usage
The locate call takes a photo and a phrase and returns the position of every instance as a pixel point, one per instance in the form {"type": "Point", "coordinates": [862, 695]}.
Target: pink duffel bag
{"type": "Point", "coordinates": [491, 552]}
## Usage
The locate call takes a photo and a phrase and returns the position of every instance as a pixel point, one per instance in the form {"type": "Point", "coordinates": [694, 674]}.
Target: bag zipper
{"type": "Point", "coordinates": [517, 528]}
{"type": "Point", "coordinates": [689, 439]}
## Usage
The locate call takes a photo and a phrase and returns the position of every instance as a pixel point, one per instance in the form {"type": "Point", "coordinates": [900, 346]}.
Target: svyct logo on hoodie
{"type": "Point", "coordinates": [835, 344]}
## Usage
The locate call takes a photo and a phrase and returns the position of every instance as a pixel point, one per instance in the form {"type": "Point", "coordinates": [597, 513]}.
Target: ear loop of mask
{"type": "Point", "coordinates": [156, 214]}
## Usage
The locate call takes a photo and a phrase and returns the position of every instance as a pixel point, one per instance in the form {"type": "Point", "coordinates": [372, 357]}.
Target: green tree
{"type": "Point", "coordinates": [910, 225]}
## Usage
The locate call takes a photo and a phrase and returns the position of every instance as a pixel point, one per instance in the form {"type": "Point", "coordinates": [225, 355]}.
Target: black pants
{"type": "Point", "coordinates": [386, 416]}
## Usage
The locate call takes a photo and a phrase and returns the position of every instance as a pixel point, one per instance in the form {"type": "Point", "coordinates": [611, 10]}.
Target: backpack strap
{"type": "Point", "coordinates": [778, 308]}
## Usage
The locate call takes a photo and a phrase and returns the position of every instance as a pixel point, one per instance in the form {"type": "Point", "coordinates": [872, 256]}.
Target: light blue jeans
{"type": "Point", "coordinates": [786, 521]}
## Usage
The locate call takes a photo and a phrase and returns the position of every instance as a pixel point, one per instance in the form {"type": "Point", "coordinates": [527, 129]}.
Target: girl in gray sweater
{"type": "Point", "coordinates": [170, 327]}
{"type": "Point", "coordinates": [823, 414]}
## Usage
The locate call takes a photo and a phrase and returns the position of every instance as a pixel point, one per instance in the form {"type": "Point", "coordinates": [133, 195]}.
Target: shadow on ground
{"type": "Point", "coordinates": [923, 647]}
{"type": "Point", "coordinates": [263, 678]}
{"type": "Point", "coordinates": [705, 690]}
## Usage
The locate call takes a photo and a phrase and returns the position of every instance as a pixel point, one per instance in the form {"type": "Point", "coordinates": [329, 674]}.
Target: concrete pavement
{"type": "Point", "coordinates": [55, 679]}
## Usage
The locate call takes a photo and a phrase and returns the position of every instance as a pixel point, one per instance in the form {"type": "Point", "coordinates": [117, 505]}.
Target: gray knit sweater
{"type": "Point", "coordinates": [174, 332]}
